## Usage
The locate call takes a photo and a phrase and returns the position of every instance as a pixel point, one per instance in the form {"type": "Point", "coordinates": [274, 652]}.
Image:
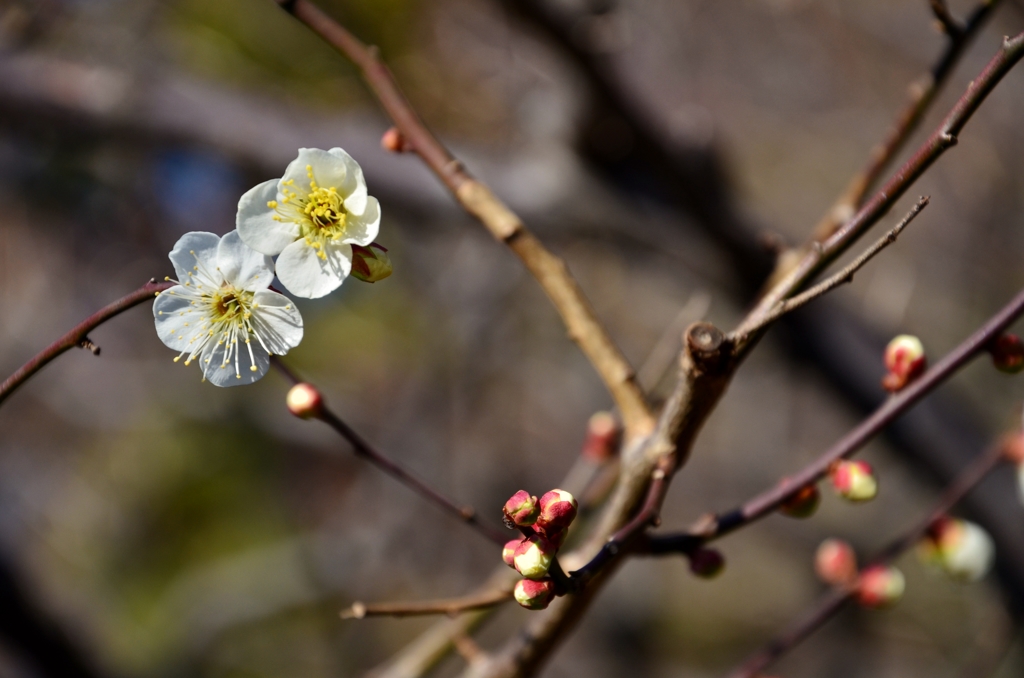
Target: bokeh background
{"type": "Point", "coordinates": [152, 525]}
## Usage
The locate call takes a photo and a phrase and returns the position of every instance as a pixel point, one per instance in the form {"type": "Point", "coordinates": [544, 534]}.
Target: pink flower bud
{"type": "Point", "coordinates": [520, 510]}
{"type": "Point", "coordinates": [880, 586]}
{"type": "Point", "coordinates": [904, 360]}
{"type": "Point", "coordinates": [557, 509]}
{"type": "Point", "coordinates": [532, 557]}
{"type": "Point", "coordinates": [395, 142]}
{"type": "Point", "coordinates": [707, 563]}
{"type": "Point", "coordinates": [854, 480]}
{"type": "Point", "coordinates": [802, 504]}
{"type": "Point", "coordinates": [602, 437]}
{"type": "Point", "coordinates": [370, 263]}
{"type": "Point", "coordinates": [961, 549]}
{"type": "Point", "coordinates": [1013, 448]}
{"type": "Point", "coordinates": [835, 562]}
{"type": "Point", "coordinates": [508, 552]}
{"type": "Point", "coordinates": [534, 594]}
{"type": "Point", "coordinates": [304, 401]}
{"type": "Point", "coordinates": [1007, 353]}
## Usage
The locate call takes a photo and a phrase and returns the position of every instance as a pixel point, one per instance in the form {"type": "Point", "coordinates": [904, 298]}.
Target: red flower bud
{"type": "Point", "coordinates": [370, 263]}
{"type": "Point", "coordinates": [707, 563]}
{"type": "Point", "coordinates": [557, 509]}
{"type": "Point", "coordinates": [880, 586]}
{"type": "Point", "coordinates": [905, 362]}
{"type": "Point", "coordinates": [534, 594]}
{"type": "Point", "coordinates": [508, 552]}
{"type": "Point", "coordinates": [801, 504]}
{"type": "Point", "coordinates": [395, 142]}
{"type": "Point", "coordinates": [520, 510]}
{"type": "Point", "coordinates": [533, 556]}
{"type": "Point", "coordinates": [835, 562]}
{"type": "Point", "coordinates": [1007, 353]}
{"type": "Point", "coordinates": [304, 401]}
{"type": "Point", "coordinates": [602, 437]}
{"type": "Point", "coordinates": [854, 480]}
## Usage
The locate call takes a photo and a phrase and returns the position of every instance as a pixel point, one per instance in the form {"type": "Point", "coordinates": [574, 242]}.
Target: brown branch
{"type": "Point", "coordinates": [841, 278]}
{"type": "Point", "coordinates": [945, 136]}
{"type": "Point", "coordinates": [835, 599]}
{"type": "Point", "coordinates": [950, 26]}
{"type": "Point", "coordinates": [78, 336]}
{"type": "Point", "coordinates": [713, 527]}
{"type": "Point", "coordinates": [549, 270]}
{"type": "Point", "coordinates": [922, 94]}
{"type": "Point", "coordinates": [449, 606]}
{"type": "Point", "coordinates": [364, 449]}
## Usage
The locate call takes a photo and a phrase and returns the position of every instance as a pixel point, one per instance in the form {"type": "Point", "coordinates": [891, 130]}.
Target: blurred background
{"type": "Point", "coordinates": [152, 525]}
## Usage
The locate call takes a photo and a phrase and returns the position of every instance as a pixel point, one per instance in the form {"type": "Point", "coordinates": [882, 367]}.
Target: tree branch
{"type": "Point", "coordinates": [78, 336]}
{"type": "Point", "coordinates": [835, 599]}
{"type": "Point", "coordinates": [449, 606]}
{"type": "Point", "coordinates": [364, 449]}
{"type": "Point", "coordinates": [842, 277]}
{"type": "Point", "coordinates": [549, 270]}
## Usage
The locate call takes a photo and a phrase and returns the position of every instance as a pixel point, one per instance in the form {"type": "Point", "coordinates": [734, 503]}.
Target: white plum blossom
{"type": "Point", "coordinates": [311, 217]}
{"type": "Point", "coordinates": [221, 311]}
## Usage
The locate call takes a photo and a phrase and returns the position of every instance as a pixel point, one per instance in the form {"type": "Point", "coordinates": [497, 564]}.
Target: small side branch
{"type": "Point", "coordinates": [364, 449]}
{"type": "Point", "coordinates": [78, 336]}
{"type": "Point", "coordinates": [841, 278]}
{"type": "Point", "coordinates": [449, 606]}
{"type": "Point", "coordinates": [477, 199]}
{"type": "Point", "coordinates": [834, 601]}
{"type": "Point", "coordinates": [950, 26]}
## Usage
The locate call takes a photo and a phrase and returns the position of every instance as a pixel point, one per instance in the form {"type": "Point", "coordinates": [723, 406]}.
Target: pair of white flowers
{"type": "Point", "coordinates": [222, 312]}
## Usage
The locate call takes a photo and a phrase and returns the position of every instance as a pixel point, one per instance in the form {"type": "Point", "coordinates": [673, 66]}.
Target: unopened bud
{"type": "Point", "coordinates": [961, 549]}
{"type": "Point", "coordinates": [801, 504]}
{"type": "Point", "coordinates": [508, 552]}
{"type": "Point", "coordinates": [370, 263]}
{"type": "Point", "coordinates": [557, 509]}
{"type": "Point", "coordinates": [707, 563]}
{"type": "Point", "coordinates": [533, 556]}
{"type": "Point", "coordinates": [521, 510]}
{"type": "Point", "coordinates": [854, 480]}
{"type": "Point", "coordinates": [835, 562]}
{"type": "Point", "coordinates": [1007, 353]}
{"type": "Point", "coordinates": [304, 401]}
{"type": "Point", "coordinates": [880, 586]}
{"type": "Point", "coordinates": [602, 437]}
{"type": "Point", "coordinates": [1013, 448]}
{"type": "Point", "coordinates": [395, 142]}
{"type": "Point", "coordinates": [534, 594]}
{"type": "Point", "coordinates": [904, 360]}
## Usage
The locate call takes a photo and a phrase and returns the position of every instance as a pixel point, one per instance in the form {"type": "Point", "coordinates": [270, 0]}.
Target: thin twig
{"type": "Point", "coordinates": [950, 26]}
{"type": "Point", "coordinates": [835, 599]}
{"type": "Point", "coordinates": [922, 94]}
{"type": "Point", "coordinates": [709, 528]}
{"type": "Point", "coordinates": [842, 277]}
{"type": "Point", "coordinates": [78, 336]}
{"type": "Point", "coordinates": [823, 252]}
{"type": "Point", "coordinates": [549, 270]}
{"type": "Point", "coordinates": [364, 449]}
{"type": "Point", "coordinates": [449, 606]}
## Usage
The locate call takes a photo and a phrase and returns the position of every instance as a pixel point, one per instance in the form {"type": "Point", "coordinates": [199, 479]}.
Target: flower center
{"type": "Point", "coordinates": [230, 305]}
{"type": "Point", "coordinates": [325, 210]}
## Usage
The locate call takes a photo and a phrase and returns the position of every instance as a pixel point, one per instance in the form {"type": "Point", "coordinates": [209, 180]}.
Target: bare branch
{"type": "Point", "coordinates": [842, 277]}
{"type": "Point", "coordinates": [549, 270]}
{"type": "Point", "coordinates": [364, 449]}
{"type": "Point", "coordinates": [834, 601]}
{"type": "Point", "coordinates": [449, 606]}
{"type": "Point", "coordinates": [78, 336]}
{"type": "Point", "coordinates": [950, 26]}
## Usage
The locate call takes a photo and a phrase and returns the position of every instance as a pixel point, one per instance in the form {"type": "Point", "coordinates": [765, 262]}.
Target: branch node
{"type": "Point", "coordinates": [88, 344]}
{"type": "Point", "coordinates": [706, 346]}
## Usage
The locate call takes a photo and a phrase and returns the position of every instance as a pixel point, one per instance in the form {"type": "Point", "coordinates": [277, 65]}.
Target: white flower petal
{"type": "Point", "coordinates": [242, 266]}
{"type": "Point", "coordinates": [296, 171]}
{"type": "Point", "coordinates": [226, 373]}
{"type": "Point", "coordinates": [362, 230]}
{"type": "Point", "coordinates": [1020, 481]}
{"type": "Point", "coordinates": [176, 318]}
{"type": "Point", "coordinates": [306, 275]}
{"type": "Point", "coordinates": [255, 220]}
{"type": "Point", "coordinates": [277, 321]}
{"type": "Point", "coordinates": [195, 256]}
